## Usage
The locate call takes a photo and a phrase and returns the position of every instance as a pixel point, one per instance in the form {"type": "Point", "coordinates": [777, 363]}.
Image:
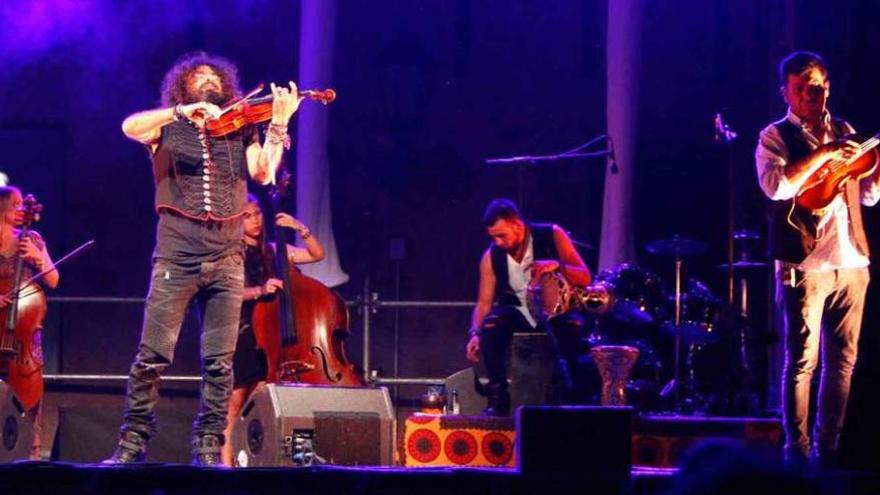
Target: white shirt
{"type": "Point", "coordinates": [518, 277]}
{"type": "Point", "coordinates": [834, 248]}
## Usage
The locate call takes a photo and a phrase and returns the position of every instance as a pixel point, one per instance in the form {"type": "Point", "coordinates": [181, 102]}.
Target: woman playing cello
{"type": "Point", "coordinates": [249, 364]}
{"type": "Point", "coordinates": [32, 250]}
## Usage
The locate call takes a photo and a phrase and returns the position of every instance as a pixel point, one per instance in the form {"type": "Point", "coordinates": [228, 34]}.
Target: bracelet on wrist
{"type": "Point", "coordinates": [277, 134]}
{"type": "Point", "coordinates": [474, 332]}
{"type": "Point", "coordinates": [177, 114]}
{"type": "Point", "coordinates": [305, 234]}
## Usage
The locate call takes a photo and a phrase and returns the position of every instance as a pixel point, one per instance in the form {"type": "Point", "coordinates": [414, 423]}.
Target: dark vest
{"type": "Point", "coordinates": [791, 244]}
{"type": "Point", "coordinates": [543, 247]}
{"type": "Point", "coordinates": [184, 182]}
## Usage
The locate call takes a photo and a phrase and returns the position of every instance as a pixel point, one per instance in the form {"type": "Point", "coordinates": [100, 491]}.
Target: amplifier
{"type": "Point", "coordinates": [574, 442]}
{"type": "Point", "coordinates": [298, 425]}
{"type": "Point", "coordinates": [18, 427]}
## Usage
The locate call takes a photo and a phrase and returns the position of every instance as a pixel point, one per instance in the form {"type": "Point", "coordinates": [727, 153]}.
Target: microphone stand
{"type": "Point", "coordinates": [578, 152]}
{"type": "Point", "coordinates": [725, 136]}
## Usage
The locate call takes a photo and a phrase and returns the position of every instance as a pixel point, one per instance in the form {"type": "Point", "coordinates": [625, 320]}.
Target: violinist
{"type": "Point", "coordinates": [200, 197]}
{"type": "Point", "coordinates": [821, 256]}
{"type": "Point", "coordinates": [36, 260]}
{"type": "Point", "coordinates": [249, 364]}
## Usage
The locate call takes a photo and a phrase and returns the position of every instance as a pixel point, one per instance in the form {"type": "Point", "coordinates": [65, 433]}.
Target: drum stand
{"type": "Point", "coordinates": [676, 247]}
{"type": "Point", "coordinates": [743, 395]}
{"type": "Point", "coordinates": [683, 400]}
{"type": "Point", "coordinates": [676, 372]}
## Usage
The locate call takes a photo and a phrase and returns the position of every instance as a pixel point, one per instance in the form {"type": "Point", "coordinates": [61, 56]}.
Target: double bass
{"type": "Point", "coordinates": [302, 328]}
{"type": "Point", "coordinates": [22, 319]}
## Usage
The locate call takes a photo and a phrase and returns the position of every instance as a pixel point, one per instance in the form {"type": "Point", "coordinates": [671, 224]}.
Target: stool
{"type": "Point", "coordinates": [534, 371]}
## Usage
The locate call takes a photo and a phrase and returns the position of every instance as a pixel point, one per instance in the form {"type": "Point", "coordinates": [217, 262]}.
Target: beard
{"type": "Point", "coordinates": [210, 95]}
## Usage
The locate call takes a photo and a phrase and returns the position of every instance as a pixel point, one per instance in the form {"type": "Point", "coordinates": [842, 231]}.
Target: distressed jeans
{"type": "Point", "coordinates": [216, 287]}
{"type": "Point", "coordinates": [823, 313]}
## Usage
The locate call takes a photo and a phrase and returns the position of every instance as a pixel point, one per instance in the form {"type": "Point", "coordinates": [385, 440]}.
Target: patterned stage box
{"type": "Point", "coordinates": [477, 441]}
{"type": "Point", "coordinates": [660, 441]}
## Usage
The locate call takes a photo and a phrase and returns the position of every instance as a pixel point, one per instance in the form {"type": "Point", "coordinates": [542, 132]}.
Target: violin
{"type": "Point", "coordinates": [251, 109]}
{"type": "Point", "coordinates": [22, 320]}
{"type": "Point", "coordinates": [823, 185]}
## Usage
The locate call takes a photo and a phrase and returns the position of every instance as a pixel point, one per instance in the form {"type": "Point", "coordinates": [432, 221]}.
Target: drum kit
{"type": "Point", "coordinates": [689, 343]}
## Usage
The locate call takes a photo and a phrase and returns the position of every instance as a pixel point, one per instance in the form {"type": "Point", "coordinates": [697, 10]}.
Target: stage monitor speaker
{"type": "Point", "coordinates": [18, 427]}
{"type": "Point", "coordinates": [90, 433]}
{"type": "Point", "coordinates": [575, 442]}
{"type": "Point", "coordinates": [296, 425]}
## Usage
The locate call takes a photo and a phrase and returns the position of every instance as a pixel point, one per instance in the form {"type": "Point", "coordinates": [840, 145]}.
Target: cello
{"type": "Point", "coordinates": [303, 326]}
{"type": "Point", "coordinates": [22, 319]}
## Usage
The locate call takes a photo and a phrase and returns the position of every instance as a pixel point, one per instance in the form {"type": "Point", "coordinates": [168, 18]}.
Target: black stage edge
{"type": "Point", "coordinates": [171, 479]}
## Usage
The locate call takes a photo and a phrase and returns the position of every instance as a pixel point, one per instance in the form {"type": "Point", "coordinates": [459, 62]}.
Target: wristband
{"type": "Point", "coordinates": [277, 134]}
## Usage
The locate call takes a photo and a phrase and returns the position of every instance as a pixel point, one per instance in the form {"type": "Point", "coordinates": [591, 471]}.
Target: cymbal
{"type": "Point", "coordinates": [744, 265]}
{"type": "Point", "coordinates": [676, 246]}
{"type": "Point", "coordinates": [746, 235]}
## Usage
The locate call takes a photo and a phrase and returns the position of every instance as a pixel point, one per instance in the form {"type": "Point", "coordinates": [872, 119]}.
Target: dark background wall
{"type": "Point", "coordinates": [428, 90]}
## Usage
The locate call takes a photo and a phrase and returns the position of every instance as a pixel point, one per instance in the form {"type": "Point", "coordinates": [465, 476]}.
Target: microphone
{"type": "Point", "coordinates": [611, 157]}
{"type": "Point", "coordinates": [723, 132]}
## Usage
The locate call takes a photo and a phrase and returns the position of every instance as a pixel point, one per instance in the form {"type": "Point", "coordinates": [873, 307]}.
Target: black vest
{"type": "Point", "coordinates": [543, 247]}
{"type": "Point", "coordinates": [791, 244]}
{"type": "Point", "coordinates": [186, 185]}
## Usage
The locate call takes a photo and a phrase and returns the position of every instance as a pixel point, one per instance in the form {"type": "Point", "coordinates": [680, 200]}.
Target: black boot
{"type": "Point", "coordinates": [132, 447]}
{"type": "Point", "coordinates": [206, 451]}
{"type": "Point", "coordinates": [498, 400]}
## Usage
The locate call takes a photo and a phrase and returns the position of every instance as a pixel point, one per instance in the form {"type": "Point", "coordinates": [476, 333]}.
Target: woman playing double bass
{"type": "Point", "coordinates": [249, 364]}
{"type": "Point", "coordinates": [32, 250]}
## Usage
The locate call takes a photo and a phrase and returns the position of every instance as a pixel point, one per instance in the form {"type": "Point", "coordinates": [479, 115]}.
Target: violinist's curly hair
{"type": "Point", "coordinates": [174, 82]}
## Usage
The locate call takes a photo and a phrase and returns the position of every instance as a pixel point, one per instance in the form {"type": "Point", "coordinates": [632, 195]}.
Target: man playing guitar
{"type": "Point", "coordinates": [821, 255]}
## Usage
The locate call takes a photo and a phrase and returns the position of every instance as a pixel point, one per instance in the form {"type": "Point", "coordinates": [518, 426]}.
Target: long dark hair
{"type": "Point", "coordinates": [267, 255]}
